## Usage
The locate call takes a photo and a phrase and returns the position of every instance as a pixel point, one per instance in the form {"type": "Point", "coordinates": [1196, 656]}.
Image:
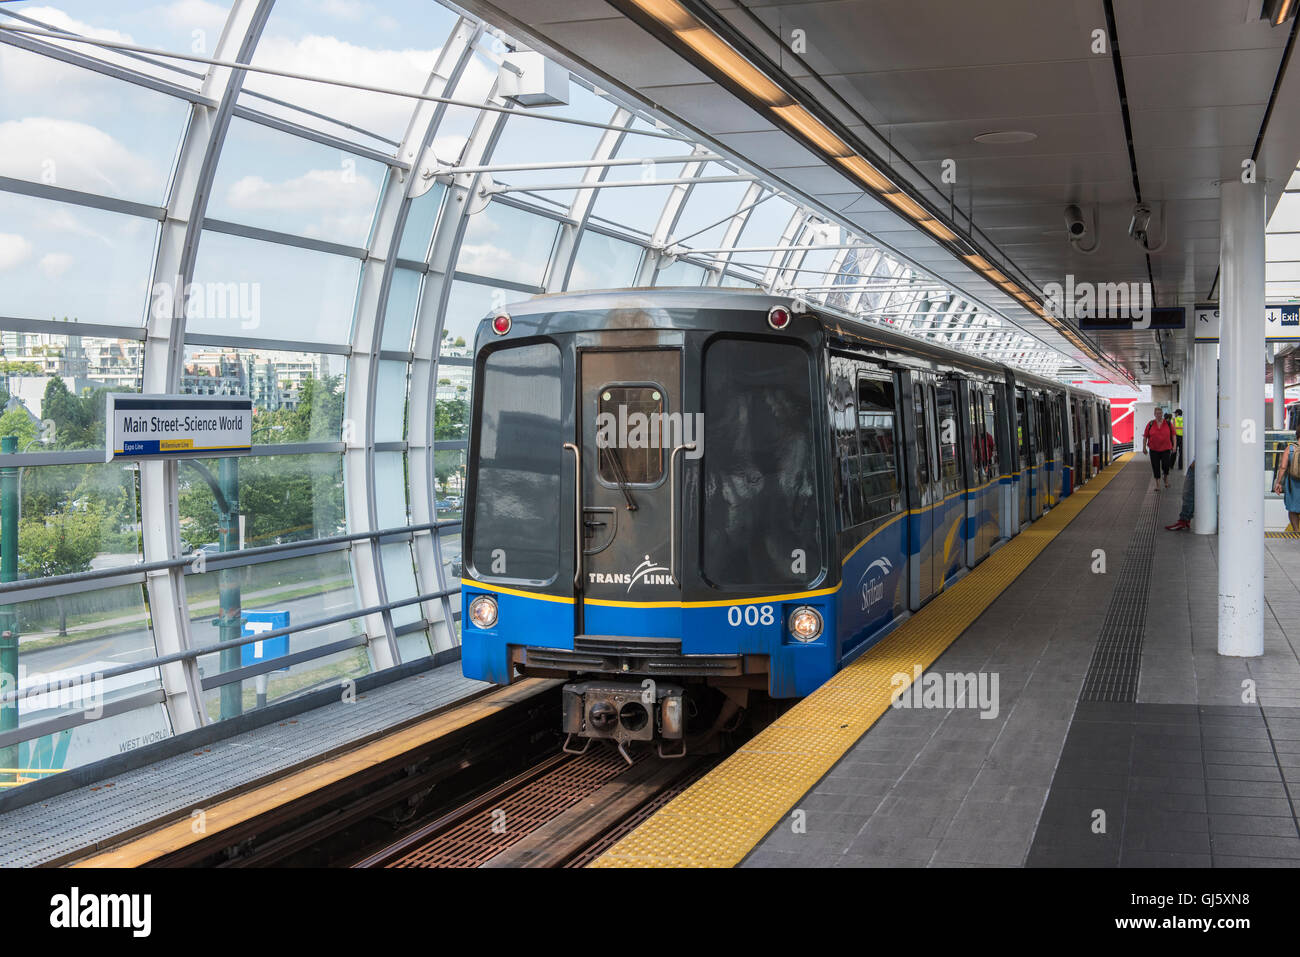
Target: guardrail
{"type": "Point", "coordinates": [14, 592]}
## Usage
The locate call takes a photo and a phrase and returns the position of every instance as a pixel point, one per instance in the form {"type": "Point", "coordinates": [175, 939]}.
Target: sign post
{"type": "Point", "coordinates": [188, 427]}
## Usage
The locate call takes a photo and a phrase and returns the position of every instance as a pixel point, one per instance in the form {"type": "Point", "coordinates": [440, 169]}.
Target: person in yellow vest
{"type": "Point", "coordinates": [1178, 434]}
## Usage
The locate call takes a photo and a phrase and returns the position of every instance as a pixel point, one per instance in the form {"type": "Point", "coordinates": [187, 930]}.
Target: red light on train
{"type": "Point", "coordinates": [778, 317]}
{"type": "Point", "coordinates": [501, 324]}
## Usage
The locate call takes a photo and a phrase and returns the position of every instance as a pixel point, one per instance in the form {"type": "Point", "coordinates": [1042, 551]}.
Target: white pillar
{"type": "Point", "coordinates": [1205, 426]}
{"type": "Point", "coordinates": [1279, 390]}
{"type": "Point", "coordinates": [1187, 390]}
{"type": "Point", "coordinates": [1241, 342]}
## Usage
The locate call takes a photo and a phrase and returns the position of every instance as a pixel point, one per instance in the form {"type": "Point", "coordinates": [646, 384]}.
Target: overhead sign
{"type": "Point", "coordinates": [176, 426]}
{"type": "Point", "coordinates": [1281, 323]}
{"type": "Point", "coordinates": [257, 622]}
{"type": "Point", "coordinates": [1162, 317]}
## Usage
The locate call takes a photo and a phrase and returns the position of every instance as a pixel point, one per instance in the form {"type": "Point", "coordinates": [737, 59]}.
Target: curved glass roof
{"type": "Point", "coordinates": [320, 231]}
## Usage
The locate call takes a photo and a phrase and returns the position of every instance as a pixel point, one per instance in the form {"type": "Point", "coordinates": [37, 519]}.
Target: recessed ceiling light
{"type": "Point", "coordinates": [1006, 136]}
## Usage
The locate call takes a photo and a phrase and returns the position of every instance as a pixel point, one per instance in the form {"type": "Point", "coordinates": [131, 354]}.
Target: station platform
{"type": "Point", "coordinates": [116, 802]}
{"type": "Point", "coordinates": [1114, 736]}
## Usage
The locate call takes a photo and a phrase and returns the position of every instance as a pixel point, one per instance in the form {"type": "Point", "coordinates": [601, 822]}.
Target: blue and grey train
{"type": "Point", "coordinates": [677, 498]}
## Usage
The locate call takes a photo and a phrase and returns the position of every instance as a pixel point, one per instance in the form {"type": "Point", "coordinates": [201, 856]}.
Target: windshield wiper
{"type": "Point", "coordinates": [620, 477]}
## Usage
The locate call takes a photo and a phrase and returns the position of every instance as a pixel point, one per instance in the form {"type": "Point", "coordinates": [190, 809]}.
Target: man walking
{"type": "Point", "coordinates": [1178, 434]}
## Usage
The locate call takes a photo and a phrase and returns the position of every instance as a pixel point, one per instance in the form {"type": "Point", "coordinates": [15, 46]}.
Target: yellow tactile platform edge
{"type": "Point", "coordinates": [723, 816]}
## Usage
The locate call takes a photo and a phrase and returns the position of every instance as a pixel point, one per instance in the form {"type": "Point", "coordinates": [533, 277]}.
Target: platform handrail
{"type": "Point", "coordinates": [212, 562]}
{"type": "Point", "coordinates": [185, 655]}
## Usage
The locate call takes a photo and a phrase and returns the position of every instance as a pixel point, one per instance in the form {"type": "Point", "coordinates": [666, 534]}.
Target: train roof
{"type": "Point", "coordinates": [722, 297]}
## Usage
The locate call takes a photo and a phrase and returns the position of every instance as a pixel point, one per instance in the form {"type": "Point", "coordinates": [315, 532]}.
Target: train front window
{"type": "Point", "coordinates": [761, 503]}
{"type": "Point", "coordinates": [629, 427]}
{"type": "Point", "coordinates": [519, 443]}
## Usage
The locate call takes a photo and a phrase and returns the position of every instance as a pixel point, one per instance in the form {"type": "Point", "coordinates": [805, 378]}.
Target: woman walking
{"type": "Point", "coordinates": [1158, 441]}
{"type": "Point", "coordinates": [1287, 484]}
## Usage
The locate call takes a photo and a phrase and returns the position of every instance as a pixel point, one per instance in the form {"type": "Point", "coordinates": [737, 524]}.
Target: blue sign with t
{"type": "Point", "coordinates": [257, 622]}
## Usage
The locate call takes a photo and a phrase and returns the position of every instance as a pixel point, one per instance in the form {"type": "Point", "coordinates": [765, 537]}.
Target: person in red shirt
{"type": "Point", "coordinates": [1158, 440]}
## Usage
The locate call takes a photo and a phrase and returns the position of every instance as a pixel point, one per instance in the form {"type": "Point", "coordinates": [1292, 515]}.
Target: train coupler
{"type": "Point", "coordinates": [623, 712]}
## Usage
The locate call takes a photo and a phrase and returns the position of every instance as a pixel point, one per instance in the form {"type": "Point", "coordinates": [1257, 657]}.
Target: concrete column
{"type": "Point", "coordinates": [1187, 390]}
{"type": "Point", "coordinates": [1279, 391]}
{"type": "Point", "coordinates": [1241, 469]}
{"type": "Point", "coordinates": [1205, 427]}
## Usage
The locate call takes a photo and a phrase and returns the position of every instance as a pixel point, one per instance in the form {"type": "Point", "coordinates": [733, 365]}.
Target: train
{"type": "Point", "coordinates": [679, 500]}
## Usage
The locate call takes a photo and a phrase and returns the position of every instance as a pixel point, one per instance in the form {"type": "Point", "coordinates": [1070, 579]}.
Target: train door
{"type": "Point", "coordinates": [1008, 481]}
{"type": "Point", "coordinates": [991, 527]}
{"type": "Point", "coordinates": [925, 491]}
{"type": "Point", "coordinates": [1024, 459]}
{"type": "Point", "coordinates": [1095, 449]}
{"type": "Point", "coordinates": [950, 509]}
{"type": "Point", "coordinates": [1059, 444]}
{"type": "Point", "coordinates": [1076, 444]}
{"type": "Point", "coordinates": [976, 449]}
{"type": "Point", "coordinates": [1044, 409]}
{"type": "Point", "coordinates": [629, 451]}
{"type": "Point", "coordinates": [1089, 438]}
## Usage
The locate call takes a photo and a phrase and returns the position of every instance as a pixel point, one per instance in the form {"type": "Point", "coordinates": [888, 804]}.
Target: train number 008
{"type": "Point", "coordinates": [750, 615]}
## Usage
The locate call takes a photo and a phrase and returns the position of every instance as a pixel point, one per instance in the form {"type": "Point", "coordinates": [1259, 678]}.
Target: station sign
{"type": "Point", "coordinates": [1281, 323]}
{"type": "Point", "coordinates": [176, 426]}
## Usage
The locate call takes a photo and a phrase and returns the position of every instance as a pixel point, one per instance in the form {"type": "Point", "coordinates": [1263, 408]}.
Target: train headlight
{"type": "Point", "coordinates": [483, 611]}
{"type": "Point", "coordinates": [805, 623]}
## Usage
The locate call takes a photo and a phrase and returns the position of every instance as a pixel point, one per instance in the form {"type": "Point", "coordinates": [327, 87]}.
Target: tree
{"type": "Point", "coordinates": [17, 422]}
{"type": "Point", "coordinates": [60, 544]}
{"type": "Point", "coordinates": [450, 419]}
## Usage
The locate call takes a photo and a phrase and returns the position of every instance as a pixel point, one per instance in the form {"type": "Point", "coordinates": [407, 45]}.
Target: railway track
{"type": "Point", "coordinates": [564, 811]}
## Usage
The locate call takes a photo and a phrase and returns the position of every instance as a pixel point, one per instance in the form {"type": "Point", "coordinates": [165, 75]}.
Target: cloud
{"type": "Point", "coordinates": [192, 15]}
{"type": "Point", "coordinates": [75, 155]}
{"type": "Point", "coordinates": [13, 250]}
{"type": "Point", "coordinates": [57, 18]}
{"type": "Point", "coordinates": [316, 189]}
{"type": "Point", "coordinates": [55, 265]}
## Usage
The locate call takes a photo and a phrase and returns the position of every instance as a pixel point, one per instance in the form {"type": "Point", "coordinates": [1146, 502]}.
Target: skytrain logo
{"type": "Point", "coordinates": [872, 586]}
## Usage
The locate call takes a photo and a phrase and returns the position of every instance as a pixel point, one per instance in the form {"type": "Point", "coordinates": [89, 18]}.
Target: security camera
{"type": "Point", "coordinates": [1138, 226]}
{"type": "Point", "coordinates": [1074, 223]}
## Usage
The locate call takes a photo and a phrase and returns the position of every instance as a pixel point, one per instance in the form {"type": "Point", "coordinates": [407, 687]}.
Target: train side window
{"type": "Point", "coordinates": [1022, 430]}
{"type": "Point", "coordinates": [992, 436]}
{"type": "Point", "coordinates": [922, 437]}
{"type": "Point", "coordinates": [844, 434]}
{"type": "Point", "coordinates": [637, 409]}
{"type": "Point", "coordinates": [876, 437]}
{"type": "Point", "coordinates": [946, 414]}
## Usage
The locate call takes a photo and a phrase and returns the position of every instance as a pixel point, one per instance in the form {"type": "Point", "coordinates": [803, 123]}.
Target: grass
{"type": "Point", "coordinates": [279, 687]}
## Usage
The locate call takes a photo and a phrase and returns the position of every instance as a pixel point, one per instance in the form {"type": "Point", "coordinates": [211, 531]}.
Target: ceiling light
{"type": "Point", "coordinates": [866, 172]}
{"type": "Point", "coordinates": [710, 46]}
{"type": "Point", "coordinates": [907, 205]}
{"type": "Point", "coordinates": [668, 12]}
{"type": "Point", "coordinates": [939, 229]}
{"type": "Point", "coordinates": [998, 137]}
{"type": "Point", "coordinates": [1278, 12]}
{"type": "Point", "coordinates": [803, 121]}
